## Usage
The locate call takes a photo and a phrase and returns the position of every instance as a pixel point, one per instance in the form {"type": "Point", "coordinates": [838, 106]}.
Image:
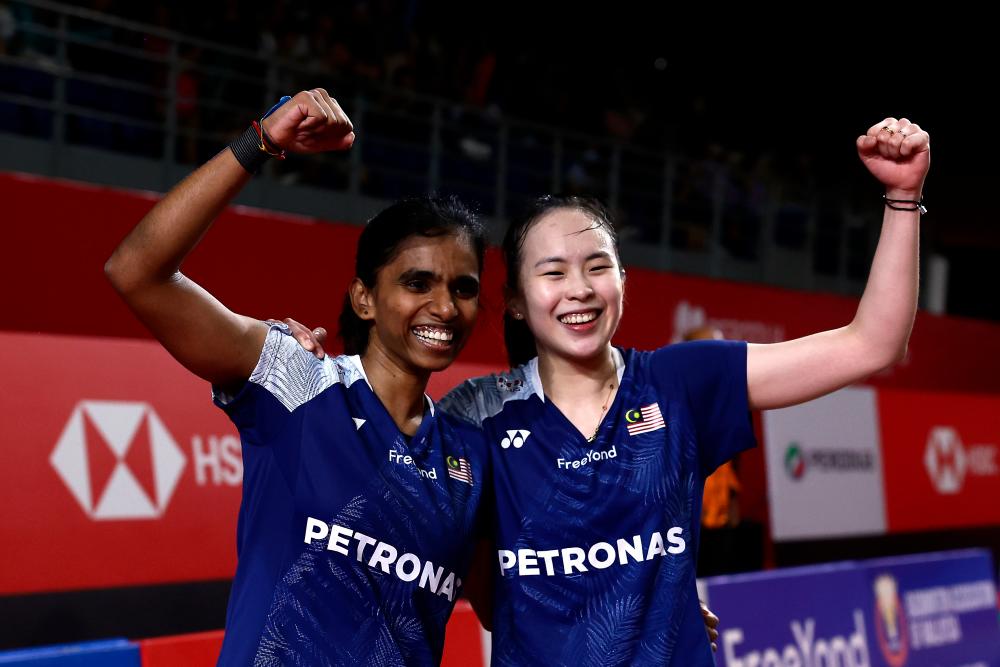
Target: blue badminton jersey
{"type": "Point", "coordinates": [353, 539]}
{"type": "Point", "coordinates": [597, 541]}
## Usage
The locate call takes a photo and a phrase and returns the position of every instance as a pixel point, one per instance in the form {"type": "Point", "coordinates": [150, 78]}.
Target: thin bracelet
{"type": "Point", "coordinates": [253, 148]}
{"type": "Point", "coordinates": [914, 204]}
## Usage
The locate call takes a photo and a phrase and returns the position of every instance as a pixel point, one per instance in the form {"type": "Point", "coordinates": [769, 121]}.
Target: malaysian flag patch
{"type": "Point", "coordinates": [458, 468]}
{"type": "Point", "coordinates": [645, 419]}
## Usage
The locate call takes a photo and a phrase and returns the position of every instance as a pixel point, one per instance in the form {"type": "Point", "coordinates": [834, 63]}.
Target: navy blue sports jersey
{"type": "Point", "coordinates": [597, 541]}
{"type": "Point", "coordinates": [353, 539]}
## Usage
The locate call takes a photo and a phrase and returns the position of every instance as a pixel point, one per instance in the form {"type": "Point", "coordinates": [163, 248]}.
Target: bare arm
{"type": "Point", "coordinates": [198, 330]}
{"type": "Point", "coordinates": [897, 153]}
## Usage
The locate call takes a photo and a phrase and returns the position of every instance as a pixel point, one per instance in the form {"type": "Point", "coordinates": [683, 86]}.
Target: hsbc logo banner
{"type": "Point", "coordinates": [118, 470]}
{"type": "Point", "coordinates": [942, 468]}
{"type": "Point", "coordinates": [118, 460]}
{"type": "Point", "coordinates": [824, 468]}
{"type": "Point", "coordinates": [948, 461]}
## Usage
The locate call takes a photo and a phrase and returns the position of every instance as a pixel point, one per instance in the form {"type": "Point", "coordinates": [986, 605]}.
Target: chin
{"type": "Point", "coordinates": [434, 362]}
{"type": "Point", "coordinates": [437, 365]}
{"type": "Point", "coordinates": [580, 352]}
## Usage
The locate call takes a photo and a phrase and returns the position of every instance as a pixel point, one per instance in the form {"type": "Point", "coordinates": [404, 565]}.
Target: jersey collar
{"type": "Point", "coordinates": [355, 360]}
{"type": "Point", "coordinates": [536, 379]}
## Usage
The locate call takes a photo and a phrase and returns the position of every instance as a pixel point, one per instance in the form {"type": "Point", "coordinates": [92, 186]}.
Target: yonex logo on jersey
{"type": "Point", "coordinates": [515, 439]}
{"type": "Point", "coordinates": [599, 556]}
{"type": "Point", "coordinates": [591, 456]}
{"type": "Point", "coordinates": [384, 556]}
{"type": "Point", "coordinates": [645, 419]}
{"type": "Point", "coordinates": [403, 459]}
{"type": "Point", "coordinates": [118, 460]}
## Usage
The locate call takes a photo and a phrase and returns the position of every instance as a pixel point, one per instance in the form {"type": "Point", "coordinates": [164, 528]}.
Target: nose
{"type": "Point", "coordinates": [442, 304]}
{"type": "Point", "coordinates": [579, 287]}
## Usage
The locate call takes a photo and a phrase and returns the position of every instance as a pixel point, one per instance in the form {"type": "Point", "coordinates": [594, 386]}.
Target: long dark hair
{"type": "Point", "coordinates": [517, 336]}
{"type": "Point", "coordinates": [380, 241]}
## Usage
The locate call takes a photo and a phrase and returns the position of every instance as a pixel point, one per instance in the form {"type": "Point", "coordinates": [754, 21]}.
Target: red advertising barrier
{"type": "Point", "coordinates": [466, 644]}
{"type": "Point", "coordinates": [940, 459]}
{"type": "Point", "coordinates": [199, 649]}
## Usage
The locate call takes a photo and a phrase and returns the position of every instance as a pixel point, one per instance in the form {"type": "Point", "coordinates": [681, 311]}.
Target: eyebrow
{"type": "Point", "coordinates": [424, 274]}
{"type": "Point", "coordinates": [418, 274]}
{"type": "Point", "coordinates": [596, 255]}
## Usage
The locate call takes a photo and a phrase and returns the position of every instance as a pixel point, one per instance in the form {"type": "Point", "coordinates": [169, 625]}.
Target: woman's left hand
{"type": "Point", "coordinates": [898, 154]}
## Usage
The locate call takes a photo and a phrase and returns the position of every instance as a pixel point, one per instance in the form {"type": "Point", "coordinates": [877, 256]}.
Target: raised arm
{"type": "Point", "coordinates": [198, 330]}
{"type": "Point", "coordinates": [897, 153]}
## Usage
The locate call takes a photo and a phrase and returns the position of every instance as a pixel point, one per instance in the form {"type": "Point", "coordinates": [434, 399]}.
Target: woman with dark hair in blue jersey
{"type": "Point", "coordinates": [360, 499]}
{"type": "Point", "coordinates": [599, 454]}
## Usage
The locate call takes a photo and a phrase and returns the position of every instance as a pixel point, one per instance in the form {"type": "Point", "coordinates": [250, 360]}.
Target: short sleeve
{"type": "Point", "coordinates": [286, 377]}
{"type": "Point", "coordinates": [714, 377]}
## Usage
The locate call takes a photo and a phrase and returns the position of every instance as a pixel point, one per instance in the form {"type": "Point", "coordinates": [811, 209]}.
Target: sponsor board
{"type": "Point", "coordinates": [824, 467]}
{"type": "Point", "coordinates": [934, 609]}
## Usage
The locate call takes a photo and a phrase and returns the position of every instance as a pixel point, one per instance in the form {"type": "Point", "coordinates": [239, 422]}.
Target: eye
{"type": "Point", "coordinates": [553, 273]}
{"type": "Point", "coordinates": [466, 289]}
{"type": "Point", "coordinates": [417, 285]}
{"type": "Point", "coordinates": [600, 267]}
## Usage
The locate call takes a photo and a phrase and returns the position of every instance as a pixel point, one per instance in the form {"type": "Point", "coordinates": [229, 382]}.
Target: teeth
{"type": "Point", "coordinates": [578, 318]}
{"type": "Point", "coordinates": [434, 334]}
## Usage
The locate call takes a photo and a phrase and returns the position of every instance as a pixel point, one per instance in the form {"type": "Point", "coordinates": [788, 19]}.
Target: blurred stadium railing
{"type": "Point", "coordinates": [92, 97]}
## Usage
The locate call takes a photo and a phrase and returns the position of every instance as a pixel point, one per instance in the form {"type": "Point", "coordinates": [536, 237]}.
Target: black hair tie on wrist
{"type": "Point", "coordinates": [906, 204]}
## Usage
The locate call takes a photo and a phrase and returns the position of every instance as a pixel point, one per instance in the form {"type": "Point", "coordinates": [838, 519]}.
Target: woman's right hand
{"type": "Point", "coordinates": [310, 122]}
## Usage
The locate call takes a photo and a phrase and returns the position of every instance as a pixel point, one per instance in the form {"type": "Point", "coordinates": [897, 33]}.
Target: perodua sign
{"type": "Point", "coordinates": [118, 460]}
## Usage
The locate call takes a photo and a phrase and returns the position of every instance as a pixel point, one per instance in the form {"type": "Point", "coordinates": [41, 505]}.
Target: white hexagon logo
{"type": "Point", "coordinates": [945, 460]}
{"type": "Point", "coordinates": [118, 460]}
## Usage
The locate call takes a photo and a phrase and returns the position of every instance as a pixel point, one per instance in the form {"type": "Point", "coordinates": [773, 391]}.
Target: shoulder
{"type": "Point", "coordinates": [480, 398]}
{"type": "Point", "coordinates": [694, 356]}
{"type": "Point", "coordinates": [293, 375]}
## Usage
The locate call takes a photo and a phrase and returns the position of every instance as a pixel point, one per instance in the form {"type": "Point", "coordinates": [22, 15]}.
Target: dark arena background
{"type": "Point", "coordinates": [725, 150]}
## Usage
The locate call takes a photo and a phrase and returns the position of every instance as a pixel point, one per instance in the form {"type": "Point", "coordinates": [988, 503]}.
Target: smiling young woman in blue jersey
{"type": "Point", "coordinates": [599, 455]}
{"type": "Point", "coordinates": [359, 498]}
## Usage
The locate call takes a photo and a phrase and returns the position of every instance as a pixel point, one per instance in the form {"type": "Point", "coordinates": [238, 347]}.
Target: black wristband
{"type": "Point", "coordinates": [907, 204]}
{"type": "Point", "coordinates": [246, 148]}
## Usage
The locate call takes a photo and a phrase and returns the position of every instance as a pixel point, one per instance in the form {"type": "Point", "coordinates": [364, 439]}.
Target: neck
{"type": "Point", "coordinates": [400, 390]}
{"type": "Point", "coordinates": [576, 377]}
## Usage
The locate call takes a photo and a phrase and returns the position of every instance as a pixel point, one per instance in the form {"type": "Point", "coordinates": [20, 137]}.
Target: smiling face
{"type": "Point", "coordinates": [423, 305]}
{"type": "Point", "coordinates": [571, 285]}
